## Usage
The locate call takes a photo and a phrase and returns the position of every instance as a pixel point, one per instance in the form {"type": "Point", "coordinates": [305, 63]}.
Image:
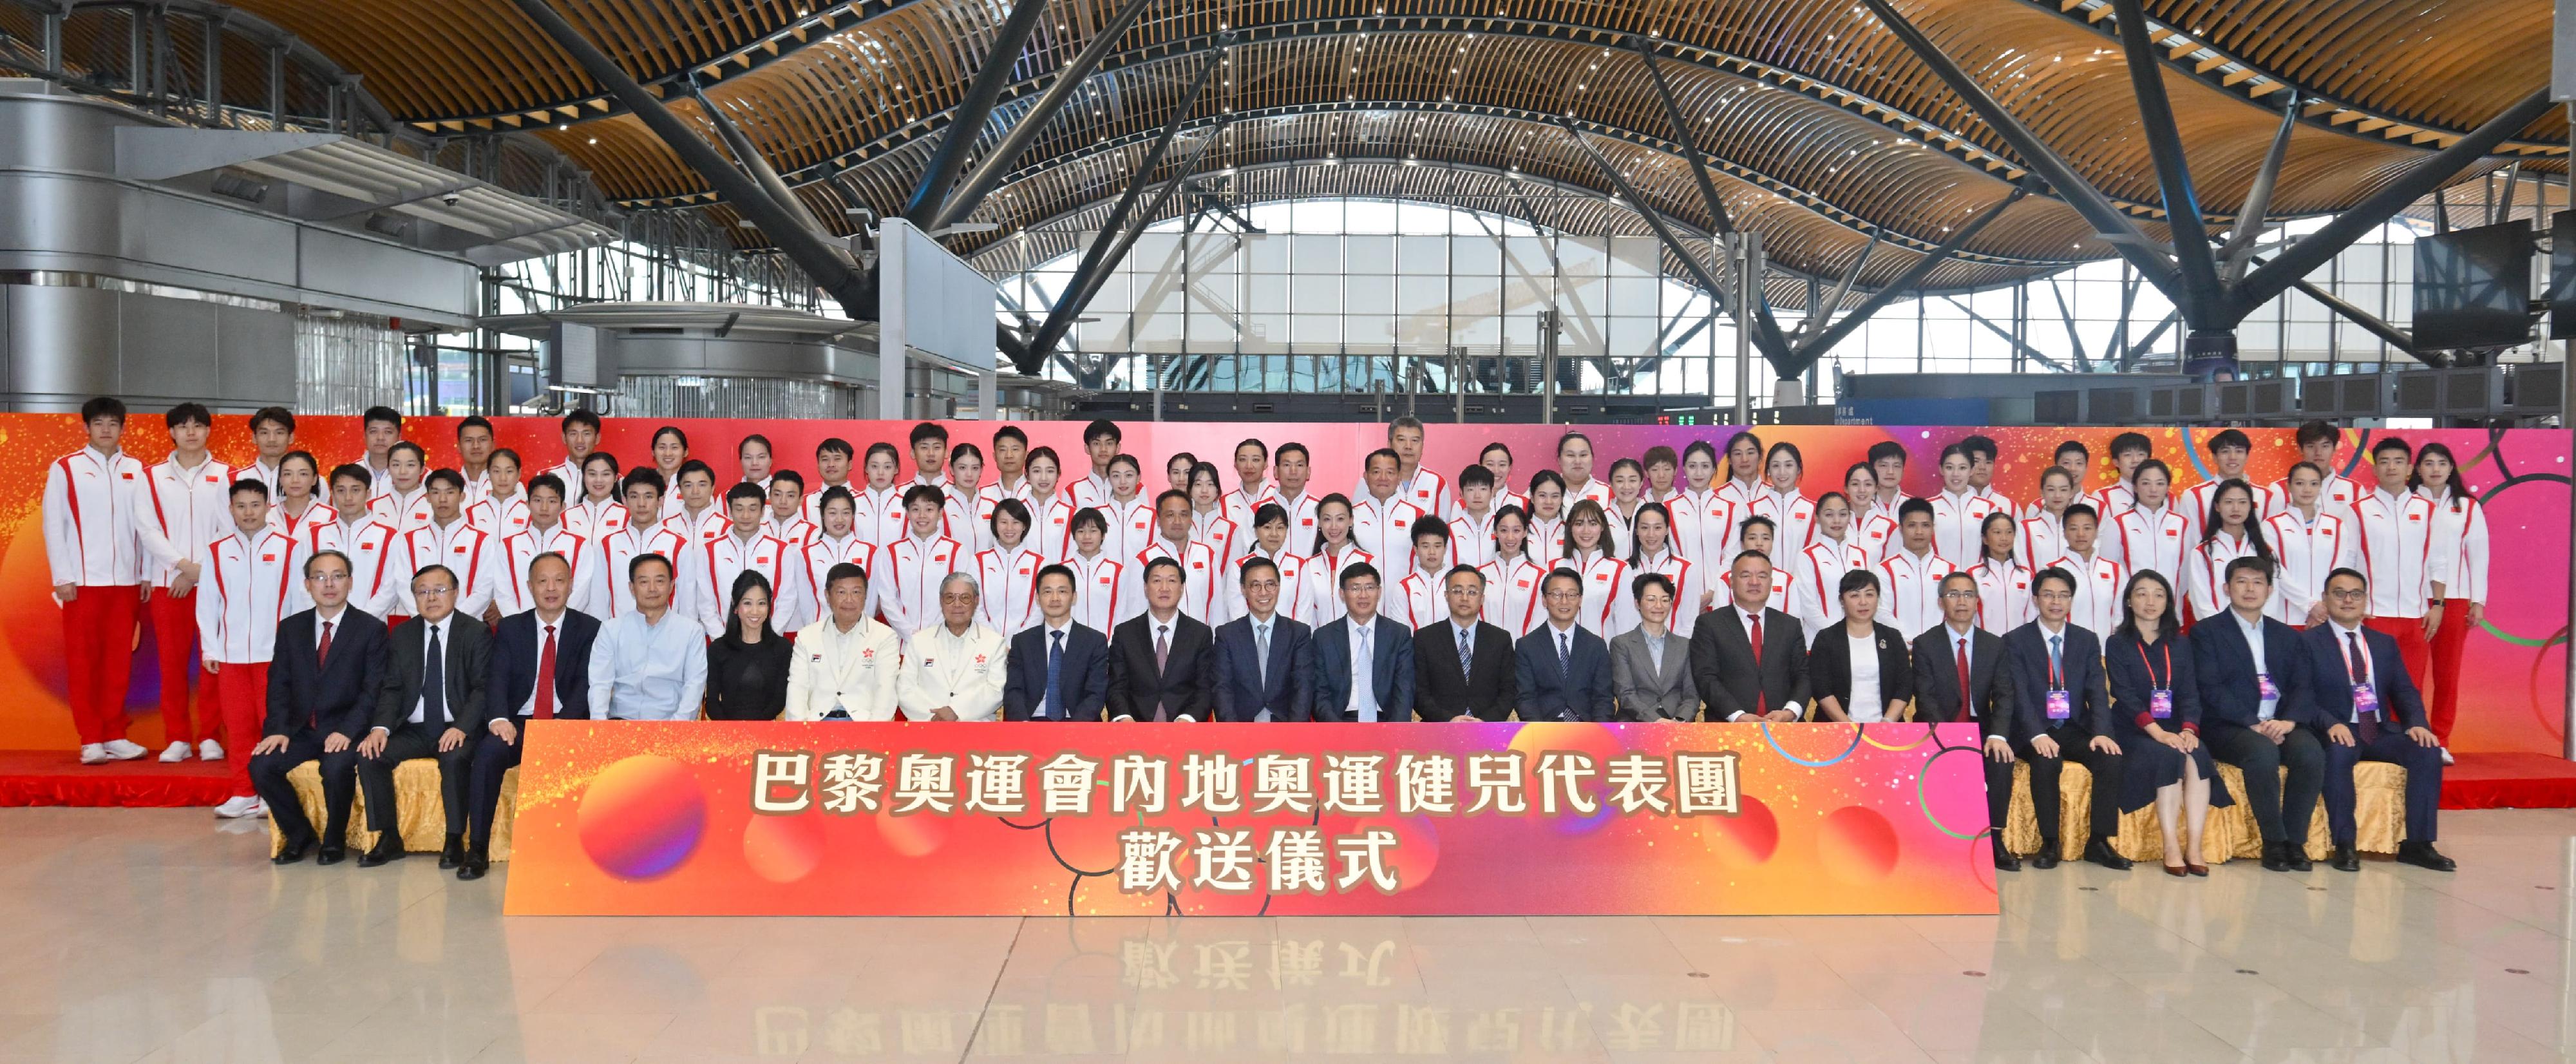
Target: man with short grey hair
{"type": "Point", "coordinates": [953, 670]}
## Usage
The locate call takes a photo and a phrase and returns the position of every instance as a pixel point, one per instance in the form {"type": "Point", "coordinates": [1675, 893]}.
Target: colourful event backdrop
{"type": "Point", "coordinates": [622, 818]}
{"type": "Point", "coordinates": [2521, 473]}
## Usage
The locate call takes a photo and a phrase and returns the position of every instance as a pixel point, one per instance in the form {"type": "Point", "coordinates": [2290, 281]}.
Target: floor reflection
{"type": "Point", "coordinates": [147, 936]}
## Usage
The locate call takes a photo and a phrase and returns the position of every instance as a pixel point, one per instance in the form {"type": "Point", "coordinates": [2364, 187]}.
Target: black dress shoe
{"type": "Point", "coordinates": [453, 853]}
{"type": "Point", "coordinates": [292, 852]}
{"type": "Point", "coordinates": [475, 866]}
{"type": "Point", "coordinates": [2297, 854]}
{"type": "Point", "coordinates": [2099, 852]}
{"type": "Point", "coordinates": [387, 848]}
{"type": "Point", "coordinates": [2423, 855]}
{"type": "Point", "coordinates": [2006, 862]}
{"type": "Point", "coordinates": [2276, 857]}
{"type": "Point", "coordinates": [2346, 859]}
{"type": "Point", "coordinates": [331, 855]}
{"type": "Point", "coordinates": [2047, 857]}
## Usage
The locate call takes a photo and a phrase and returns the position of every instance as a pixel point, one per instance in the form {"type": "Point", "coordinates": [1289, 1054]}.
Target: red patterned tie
{"type": "Point", "coordinates": [322, 652]}
{"type": "Point", "coordinates": [546, 678]}
{"type": "Point", "coordinates": [1967, 709]}
{"type": "Point", "coordinates": [1761, 691]}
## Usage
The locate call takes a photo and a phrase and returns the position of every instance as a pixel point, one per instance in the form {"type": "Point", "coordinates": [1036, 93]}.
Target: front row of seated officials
{"type": "Point", "coordinates": [2147, 710]}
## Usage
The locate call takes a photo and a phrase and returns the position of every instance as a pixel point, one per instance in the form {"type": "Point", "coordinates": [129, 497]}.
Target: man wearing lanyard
{"type": "Point", "coordinates": [2061, 712]}
{"type": "Point", "coordinates": [2253, 676]}
{"type": "Point", "coordinates": [2363, 699]}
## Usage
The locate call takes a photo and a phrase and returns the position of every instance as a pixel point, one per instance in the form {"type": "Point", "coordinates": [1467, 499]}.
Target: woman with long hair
{"type": "Point", "coordinates": [2232, 529]}
{"type": "Point", "coordinates": [670, 451]}
{"type": "Point", "coordinates": [1858, 669]}
{"type": "Point", "coordinates": [504, 508]}
{"type": "Point", "coordinates": [1651, 551]}
{"type": "Point", "coordinates": [1512, 577]}
{"type": "Point", "coordinates": [1209, 523]}
{"type": "Point", "coordinates": [2457, 553]}
{"type": "Point", "coordinates": [1050, 511]}
{"type": "Point", "coordinates": [1793, 516]}
{"type": "Point", "coordinates": [1547, 513]}
{"type": "Point", "coordinates": [747, 665]}
{"type": "Point", "coordinates": [1321, 597]}
{"type": "Point", "coordinates": [1607, 608]}
{"type": "Point", "coordinates": [2155, 717]}
{"type": "Point", "coordinates": [2003, 578]}
{"type": "Point", "coordinates": [1873, 529]}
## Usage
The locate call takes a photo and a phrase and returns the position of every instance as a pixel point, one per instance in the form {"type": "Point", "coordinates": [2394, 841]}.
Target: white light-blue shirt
{"type": "Point", "coordinates": [645, 671]}
{"type": "Point", "coordinates": [2253, 630]}
{"type": "Point", "coordinates": [1363, 705]}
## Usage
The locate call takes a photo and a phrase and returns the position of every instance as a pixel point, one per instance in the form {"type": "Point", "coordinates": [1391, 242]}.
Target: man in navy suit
{"type": "Point", "coordinates": [1382, 648]}
{"type": "Point", "coordinates": [2363, 698]}
{"type": "Point", "coordinates": [540, 671]}
{"type": "Point", "coordinates": [2254, 678]}
{"type": "Point", "coordinates": [1059, 670]}
{"type": "Point", "coordinates": [1265, 663]}
{"type": "Point", "coordinates": [327, 671]}
{"type": "Point", "coordinates": [1562, 669]}
{"type": "Point", "coordinates": [2061, 712]}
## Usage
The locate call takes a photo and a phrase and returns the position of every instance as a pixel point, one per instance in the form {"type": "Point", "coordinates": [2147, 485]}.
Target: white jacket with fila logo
{"type": "Point", "coordinates": [617, 553]}
{"type": "Point", "coordinates": [473, 554]}
{"type": "Point", "coordinates": [179, 510]}
{"type": "Point", "coordinates": [1608, 608]}
{"type": "Point", "coordinates": [369, 546]}
{"type": "Point", "coordinates": [2003, 596]}
{"type": "Point", "coordinates": [520, 549]}
{"type": "Point", "coordinates": [911, 570]}
{"type": "Point", "coordinates": [1200, 573]}
{"type": "Point", "coordinates": [250, 584]}
{"type": "Point", "coordinates": [1703, 526]}
{"type": "Point", "coordinates": [1416, 599]}
{"type": "Point", "coordinates": [708, 571]}
{"type": "Point", "coordinates": [1384, 528]}
{"type": "Point", "coordinates": [89, 516]}
{"type": "Point", "coordinates": [2396, 551]}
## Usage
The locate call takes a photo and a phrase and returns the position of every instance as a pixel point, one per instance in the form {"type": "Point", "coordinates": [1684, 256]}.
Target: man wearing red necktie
{"type": "Point", "coordinates": [540, 671]}
{"type": "Point", "coordinates": [322, 683]}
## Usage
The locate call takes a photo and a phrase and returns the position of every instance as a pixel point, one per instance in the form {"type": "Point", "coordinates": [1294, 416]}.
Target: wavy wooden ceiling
{"type": "Point", "coordinates": [1825, 130]}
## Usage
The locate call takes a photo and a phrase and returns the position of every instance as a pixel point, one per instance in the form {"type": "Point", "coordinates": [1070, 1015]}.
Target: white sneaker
{"type": "Point", "coordinates": [176, 753]}
{"type": "Point", "coordinates": [2446, 755]}
{"type": "Point", "coordinates": [210, 750]}
{"type": "Point", "coordinates": [123, 750]}
{"type": "Point", "coordinates": [238, 808]}
{"type": "Point", "coordinates": [94, 754]}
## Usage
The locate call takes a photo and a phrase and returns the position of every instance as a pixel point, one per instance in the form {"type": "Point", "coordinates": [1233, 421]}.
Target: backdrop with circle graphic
{"type": "Point", "coordinates": [629, 818]}
{"type": "Point", "coordinates": [2516, 701]}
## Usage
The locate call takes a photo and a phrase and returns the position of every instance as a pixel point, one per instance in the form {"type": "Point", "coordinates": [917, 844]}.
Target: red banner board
{"type": "Point", "coordinates": [1009, 819]}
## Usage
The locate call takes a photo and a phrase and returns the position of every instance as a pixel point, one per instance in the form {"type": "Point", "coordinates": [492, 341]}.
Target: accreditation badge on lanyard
{"type": "Point", "coordinates": [2159, 698]}
{"type": "Point", "coordinates": [2061, 705]}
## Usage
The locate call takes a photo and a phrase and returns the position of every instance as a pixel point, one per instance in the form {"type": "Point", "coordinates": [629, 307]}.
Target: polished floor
{"type": "Point", "coordinates": [156, 935]}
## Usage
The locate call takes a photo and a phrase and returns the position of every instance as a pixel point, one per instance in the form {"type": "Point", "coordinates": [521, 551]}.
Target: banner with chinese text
{"type": "Point", "coordinates": [769, 818]}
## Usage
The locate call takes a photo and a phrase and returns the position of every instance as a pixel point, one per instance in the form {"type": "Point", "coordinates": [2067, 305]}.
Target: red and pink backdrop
{"type": "Point", "coordinates": [2522, 474]}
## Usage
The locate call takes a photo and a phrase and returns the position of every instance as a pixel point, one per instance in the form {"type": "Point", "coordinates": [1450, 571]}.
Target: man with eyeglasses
{"type": "Point", "coordinates": [2371, 711]}
{"type": "Point", "coordinates": [2061, 711]}
{"type": "Point", "coordinates": [1959, 676]}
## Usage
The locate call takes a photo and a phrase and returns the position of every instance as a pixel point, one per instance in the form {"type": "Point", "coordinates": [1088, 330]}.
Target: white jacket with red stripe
{"type": "Point", "coordinates": [250, 584]}
{"type": "Point", "coordinates": [89, 519]}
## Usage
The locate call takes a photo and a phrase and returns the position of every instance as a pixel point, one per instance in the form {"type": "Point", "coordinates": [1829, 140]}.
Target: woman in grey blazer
{"type": "Point", "coordinates": [1649, 665]}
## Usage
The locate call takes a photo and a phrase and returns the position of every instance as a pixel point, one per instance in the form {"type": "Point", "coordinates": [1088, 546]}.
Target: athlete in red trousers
{"type": "Point", "coordinates": [250, 585]}
{"type": "Point", "coordinates": [2395, 529]}
{"type": "Point", "coordinates": [97, 567]}
{"type": "Point", "coordinates": [178, 509]}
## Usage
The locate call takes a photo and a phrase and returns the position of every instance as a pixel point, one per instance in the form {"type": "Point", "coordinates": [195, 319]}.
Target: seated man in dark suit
{"type": "Point", "coordinates": [1159, 664]}
{"type": "Point", "coordinates": [1562, 668]}
{"type": "Point", "coordinates": [2363, 697]}
{"type": "Point", "coordinates": [2061, 712]}
{"type": "Point", "coordinates": [540, 671]}
{"type": "Point", "coordinates": [1462, 666]}
{"type": "Point", "coordinates": [435, 669]}
{"type": "Point", "coordinates": [1748, 660]}
{"type": "Point", "coordinates": [1059, 670]}
{"type": "Point", "coordinates": [2255, 712]}
{"type": "Point", "coordinates": [1265, 660]}
{"type": "Point", "coordinates": [322, 685]}
{"type": "Point", "coordinates": [1360, 644]}
{"type": "Point", "coordinates": [1986, 698]}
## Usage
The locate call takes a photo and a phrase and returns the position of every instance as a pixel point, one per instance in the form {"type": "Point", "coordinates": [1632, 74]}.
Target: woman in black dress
{"type": "Point", "coordinates": [747, 666]}
{"type": "Point", "coordinates": [2155, 715]}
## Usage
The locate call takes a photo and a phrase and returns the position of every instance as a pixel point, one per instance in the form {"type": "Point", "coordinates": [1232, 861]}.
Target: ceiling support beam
{"type": "Point", "coordinates": [2204, 299]}
{"type": "Point", "coordinates": [1833, 304]}
{"type": "Point", "coordinates": [1782, 360]}
{"type": "Point", "coordinates": [1086, 274]}
{"type": "Point", "coordinates": [966, 123]}
{"type": "Point", "coordinates": [2312, 251]}
{"type": "Point", "coordinates": [2018, 343]}
{"type": "Point", "coordinates": [748, 154]}
{"type": "Point", "coordinates": [2369, 322]}
{"type": "Point", "coordinates": [2258, 199]}
{"type": "Point", "coordinates": [1766, 326]}
{"type": "Point", "coordinates": [848, 286]}
{"type": "Point", "coordinates": [988, 174]}
{"type": "Point", "coordinates": [1815, 346]}
{"type": "Point", "coordinates": [2115, 227]}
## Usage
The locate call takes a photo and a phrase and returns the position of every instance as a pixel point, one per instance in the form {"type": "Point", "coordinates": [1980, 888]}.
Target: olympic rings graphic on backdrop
{"type": "Point", "coordinates": [1847, 751]}
{"type": "Point", "coordinates": [1924, 803]}
{"type": "Point", "coordinates": [1927, 737]}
